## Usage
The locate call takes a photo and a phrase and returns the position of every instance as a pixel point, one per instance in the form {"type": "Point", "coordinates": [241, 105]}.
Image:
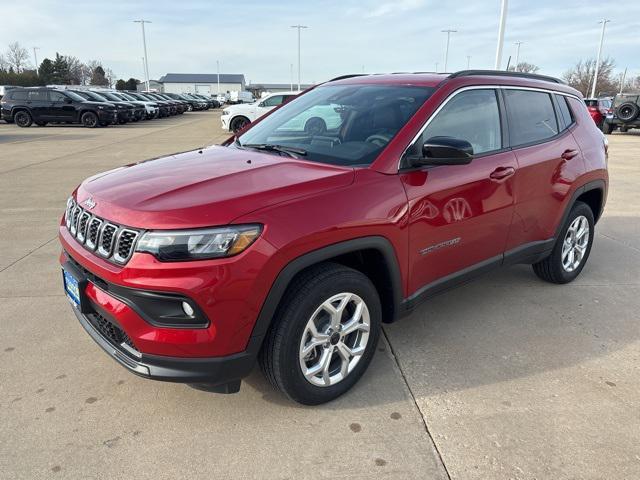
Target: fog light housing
{"type": "Point", "coordinates": [188, 309]}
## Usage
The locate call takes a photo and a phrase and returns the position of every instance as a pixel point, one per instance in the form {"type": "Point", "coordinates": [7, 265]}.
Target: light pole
{"type": "Point", "coordinates": [436, 67]}
{"type": "Point", "coordinates": [624, 76]}
{"type": "Point", "coordinates": [446, 51]}
{"type": "Point", "coordinates": [144, 44]}
{"type": "Point", "coordinates": [299, 27]}
{"type": "Point", "coordinates": [291, 75]}
{"type": "Point", "coordinates": [595, 75]}
{"type": "Point", "coordinates": [517, 55]}
{"type": "Point", "coordinates": [218, 70]}
{"type": "Point", "coordinates": [35, 57]}
{"type": "Point", "coordinates": [503, 21]}
{"type": "Point", "coordinates": [468, 62]}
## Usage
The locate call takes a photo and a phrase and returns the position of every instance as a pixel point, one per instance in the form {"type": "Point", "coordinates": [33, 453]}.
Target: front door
{"type": "Point", "coordinates": [459, 215]}
{"type": "Point", "coordinates": [60, 109]}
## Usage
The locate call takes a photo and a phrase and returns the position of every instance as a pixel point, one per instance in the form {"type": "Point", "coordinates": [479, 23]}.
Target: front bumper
{"type": "Point", "coordinates": [225, 122]}
{"type": "Point", "coordinates": [108, 116]}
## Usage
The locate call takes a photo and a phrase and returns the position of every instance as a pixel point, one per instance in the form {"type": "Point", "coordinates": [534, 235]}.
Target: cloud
{"type": "Point", "coordinates": [394, 8]}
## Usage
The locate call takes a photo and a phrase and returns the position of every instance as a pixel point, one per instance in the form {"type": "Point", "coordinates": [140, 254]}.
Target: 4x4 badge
{"type": "Point", "coordinates": [90, 203]}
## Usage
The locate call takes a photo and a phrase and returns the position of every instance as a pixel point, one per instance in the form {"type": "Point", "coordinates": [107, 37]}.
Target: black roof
{"type": "Point", "coordinates": [201, 78]}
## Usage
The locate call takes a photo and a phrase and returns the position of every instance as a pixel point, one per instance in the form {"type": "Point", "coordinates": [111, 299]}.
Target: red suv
{"type": "Point", "coordinates": [343, 209]}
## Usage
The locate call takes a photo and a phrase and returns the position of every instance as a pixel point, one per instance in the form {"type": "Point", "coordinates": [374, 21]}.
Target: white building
{"type": "Point", "coordinates": [204, 83]}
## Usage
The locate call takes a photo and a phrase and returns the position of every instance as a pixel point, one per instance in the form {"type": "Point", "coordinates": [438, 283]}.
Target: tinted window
{"type": "Point", "coordinates": [565, 111]}
{"type": "Point", "coordinates": [473, 116]}
{"type": "Point", "coordinates": [272, 101]}
{"type": "Point", "coordinates": [56, 97]}
{"type": "Point", "coordinates": [531, 116]}
{"type": "Point", "coordinates": [37, 96]}
{"type": "Point", "coordinates": [21, 95]}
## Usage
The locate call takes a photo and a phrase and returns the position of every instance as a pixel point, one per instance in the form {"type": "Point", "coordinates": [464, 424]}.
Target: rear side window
{"type": "Point", "coordinates": [531, 116]}
{"type": "Point", "coordinates": [473, 116]}
{"type": "Point", "coordinates": [565, 111]}
{"type": "Point", "coordinates": [17, 95]}
{"type": "Point", "coordinates": [37, 96]}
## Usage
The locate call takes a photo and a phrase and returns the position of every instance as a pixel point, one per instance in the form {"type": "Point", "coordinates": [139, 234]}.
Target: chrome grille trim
{"type": "Point", "coordinates": [114, 243]}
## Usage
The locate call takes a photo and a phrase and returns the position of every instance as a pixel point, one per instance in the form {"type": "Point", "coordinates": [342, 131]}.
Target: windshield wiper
{"type": "Point", "coordinates": [291, 151]}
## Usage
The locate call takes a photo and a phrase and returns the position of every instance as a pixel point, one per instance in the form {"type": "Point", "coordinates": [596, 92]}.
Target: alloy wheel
{"type": "Point", "coordinates": [575, 243]}
{"type": "Point", "coordinates": [334, 339]}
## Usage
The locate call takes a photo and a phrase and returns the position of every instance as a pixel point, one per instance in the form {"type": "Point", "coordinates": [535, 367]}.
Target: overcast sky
{"type": "Point", "coordinates": [254, 36]}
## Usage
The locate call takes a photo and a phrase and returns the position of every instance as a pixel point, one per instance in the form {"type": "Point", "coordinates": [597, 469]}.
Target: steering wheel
{"type": "Point", "coordinates": [315, 126]}
{"type": "Point", "coordinates": [378, 139]}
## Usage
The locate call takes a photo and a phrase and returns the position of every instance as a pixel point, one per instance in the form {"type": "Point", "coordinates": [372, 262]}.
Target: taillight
{"type": "Point", "coordinates": [592, 109]}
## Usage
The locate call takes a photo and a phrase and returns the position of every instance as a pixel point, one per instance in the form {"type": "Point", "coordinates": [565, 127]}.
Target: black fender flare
{"type": "Point", "coordinates": [286, 275]}
{"type": "Point", "coordinates": [587, 187]}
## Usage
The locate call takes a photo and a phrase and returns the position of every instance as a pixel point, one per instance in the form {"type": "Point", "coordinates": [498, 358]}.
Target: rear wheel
{"type": "Point", "coordinates": [23, 119]}
{"type": "Point", "coordinates": [572, 247]}
{"type": "Point", "coordinates": [89, 120]}
{"type": "Point", "coordinates": [324, 336]}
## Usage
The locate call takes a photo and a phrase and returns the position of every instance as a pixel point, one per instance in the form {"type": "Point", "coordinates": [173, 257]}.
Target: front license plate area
{"type": "Point", "coordinates": [74, 284]}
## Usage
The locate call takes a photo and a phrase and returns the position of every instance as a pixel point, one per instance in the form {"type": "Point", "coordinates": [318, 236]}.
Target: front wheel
{"type": "Point", "coordinates": [607, 128]}
{"type": "Point", "coordinates": [89, 120]}
{"type": "Point", "coordinates": [23, 119]}
{"type": "Point", "coordinates": [238, 124]}
{"type": "Point", "coordinates": [324, 336]}
{"type": "Point", "coordinates": [572, 248]}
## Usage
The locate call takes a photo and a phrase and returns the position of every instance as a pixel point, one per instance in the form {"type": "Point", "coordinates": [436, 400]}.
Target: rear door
{"type": "Point", "coordinates": [38, 102]}
{"type": "Point", "coordinates": [549, 160]}
{"type": "Point", "coordinates": [459, 215]}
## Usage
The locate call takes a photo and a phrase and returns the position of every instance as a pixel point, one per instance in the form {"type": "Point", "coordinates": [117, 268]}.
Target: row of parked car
{"type": "Point", "coordinates": [94, 107]}
{"type": "Point", "coordinates": [621, 112]}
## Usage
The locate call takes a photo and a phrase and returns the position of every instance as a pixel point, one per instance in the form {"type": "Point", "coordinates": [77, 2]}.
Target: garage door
{"type": "Point", "coordinates": [203, 89]}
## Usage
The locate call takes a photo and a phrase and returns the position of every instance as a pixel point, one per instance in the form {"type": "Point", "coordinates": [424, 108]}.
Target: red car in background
{"type": "Point", "coordinates": [598, 109]}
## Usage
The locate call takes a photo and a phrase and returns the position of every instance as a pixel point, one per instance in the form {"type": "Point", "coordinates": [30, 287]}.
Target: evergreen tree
{"type": "Point", "coordinates": [132, 84]}
{"type": "Point", "coordinates": [60, 70]}
{"type": "Point", "coordinates": [46, 72]}
{"type": "Point", "coordinates": [121, 85]}
{"type": "Point", "coordinates": [98, 77]}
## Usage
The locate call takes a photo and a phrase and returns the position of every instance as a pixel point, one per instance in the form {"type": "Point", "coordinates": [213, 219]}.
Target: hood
{"type": "Point", "coordinates": [204, 188]}
{"type": "Point", "coordinates": [103, 104]}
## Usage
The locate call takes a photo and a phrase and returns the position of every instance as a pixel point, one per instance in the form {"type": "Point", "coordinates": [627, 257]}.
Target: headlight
{"type": "Point", "coordinates": [198, 244]}
{"type": "Point", "coordinates": [225, 112]}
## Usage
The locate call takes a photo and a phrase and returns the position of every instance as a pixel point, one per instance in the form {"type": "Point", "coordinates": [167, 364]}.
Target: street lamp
{"type": "Point", "coordinates": [503, 21]}
{"type": "Point", "coordinates": [446, 52]}
{"type": "Point", "coordinates": [517, 55]}
{"type": "Point", "coordinates": [35, 57]}
{"type": "Point", "coordinates": [218, 70]}
{"type": "Point", "coordinates": [299, 27]}
{"type": "Point", "coordinates": [468, 62]}
{"type": "Point", "coordinates": [595, 75]}
{"type": "Point", "coordinates": [144, 44]}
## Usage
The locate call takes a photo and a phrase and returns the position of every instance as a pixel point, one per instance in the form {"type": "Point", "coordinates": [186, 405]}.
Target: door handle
{"type": "Point", "coordinates": [569, 154]}
{"type": "Point", "coordinates": [501, 173]}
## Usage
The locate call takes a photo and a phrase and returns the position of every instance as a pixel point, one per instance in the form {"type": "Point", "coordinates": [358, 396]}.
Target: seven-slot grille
{"type": "Point", "coordinates": [112, 242]}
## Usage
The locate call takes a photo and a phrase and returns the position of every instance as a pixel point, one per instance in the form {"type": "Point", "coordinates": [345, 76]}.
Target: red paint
{"type": "Point", "coordinates": [496, 203]}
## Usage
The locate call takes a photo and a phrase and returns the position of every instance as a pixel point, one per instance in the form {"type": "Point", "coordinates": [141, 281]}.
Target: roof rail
{"type": "Point", "coordinates": [342, 77]}
{"type": "Point", "coordinates": [504, 73]}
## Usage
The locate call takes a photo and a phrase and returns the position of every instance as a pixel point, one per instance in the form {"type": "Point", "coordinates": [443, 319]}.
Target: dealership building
{"type": "Point", "coordinates": [203, 83]}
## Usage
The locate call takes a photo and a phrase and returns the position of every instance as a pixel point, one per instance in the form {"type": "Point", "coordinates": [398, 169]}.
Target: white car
{"type": "Point", "coordinates": [236, 117]}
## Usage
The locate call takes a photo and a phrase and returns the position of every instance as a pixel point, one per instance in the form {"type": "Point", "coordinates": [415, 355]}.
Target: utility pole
{"type": "Point", "coordinates": [35, 57]}
{"type": "Point", "coordinates": [299, 27]}
{"type": "Point", "coordinates": [291, 75]}
{"type": "Point", "coordinates": [595, 75]}
{"type": "Point", "coordinates": [446, 51]}
{"type": "Point", "coordinates": [436, 67]}
{"type": "Point", "coordinates": [502, 24]}
{"type": "Point", "coordinates": [218, 70]}
{"type": "Point", "coordinates": [468, 62]}
{"type": "Point", "coordinates": [144, 44]}
{"type": "Point", "coordinates": [517, 55]}
{"type": "Point", "coordinates": [624, 77]}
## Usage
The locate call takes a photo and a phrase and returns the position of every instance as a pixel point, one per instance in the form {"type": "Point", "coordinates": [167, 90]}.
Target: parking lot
{"type": "Point", "coordinates": [507, 377]}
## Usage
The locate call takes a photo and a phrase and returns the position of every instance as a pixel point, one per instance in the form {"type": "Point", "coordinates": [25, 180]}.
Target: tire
{"type": "Point", "coordinates": [189, 108]}
{"type": "Point", "coordinates": [552, 269]}
{"type": "Point", "coordinates": [281, 357]}
{"type": "Point", "coordinates": [239, 123]}
{"type": "Point", "coordinates": [41, 124]}
{"type": "Point", "coordinates": [624, 129]}
{"type": "Point", "coordinates": [628, 111]}
{"type": "Point", "coordinates": [607, 128]}
{"type": "Point", "coordinates": [23, 119]}
{"type": "Point", "coordinates": [89, 120]}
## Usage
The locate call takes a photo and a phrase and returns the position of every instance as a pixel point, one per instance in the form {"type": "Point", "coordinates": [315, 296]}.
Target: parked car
{"type": "Point", "coordinates": [172, 105]}
{"type": "Point", "coordinates": [235, 117]}
{"type": "Point", "coordinates": [5, 88]}
{"type": "Point", "coordinates": [41, 105]}
{"type": "Point", "coordinates": [291, 248]}
{"type": "Point", "coordinates": [125, 110]}
{"type": "Point", "coordinates": [151, 108]}
{"type": "Point", "coordinates": [598, 109]}
{"type": "Point", "coordinates": [183, 103]}
{"type": "Point", "coordinates": [139, 110]}
{"type": "Point", "coordinates": [163, 105]}
{"type": "Point", "coordinates": [213, 103]}
{"type": "Point", "coordinates": [624, 114]}
{"type": "Point", "coordinates": [240, 97]}
{"type": "Point", "coordinates": [221, 99]}
{"type": "Point", "coordinates": [199, 104]}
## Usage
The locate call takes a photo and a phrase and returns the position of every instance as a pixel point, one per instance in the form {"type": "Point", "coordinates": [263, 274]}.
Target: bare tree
{"type": "Point", "coordinates": [525, 67]}
{"type": "Point", "coordinates": [4, 65]}
{"type": "Point", "coordinates": [581, 76]}
{"type": "Point", "coordinates": [631, 83]}
{"type": "Point", "coordinates": [110, 77]}
{"type": "Point", "coordinates": [87, 71]}
{"type": "Point", "coordinates": [75, 70]}
{"type": "Point", "coordinates": [17, 57]}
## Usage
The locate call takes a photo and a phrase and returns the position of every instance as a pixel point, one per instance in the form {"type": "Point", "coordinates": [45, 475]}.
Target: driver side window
{"type": "Point", "coordinates": [56, 97]}
{"type": "Point", "coordinates": [473, 116]}
{"type": "Point", "coordinates": [272, 101]}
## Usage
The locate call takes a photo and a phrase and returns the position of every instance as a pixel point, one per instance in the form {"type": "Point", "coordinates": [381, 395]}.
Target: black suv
{"type": "Point", "coordinates": [40, 105]}
{"type": "Point", "coordinates": [625, 113]}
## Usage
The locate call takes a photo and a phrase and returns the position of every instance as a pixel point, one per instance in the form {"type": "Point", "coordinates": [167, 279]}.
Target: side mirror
{"type": "Point", "coordinates": [67, 100]}
{"type": "Point", "coordinates": [444, 151]}
{"type": "Point", "coordinates": [261, 104]}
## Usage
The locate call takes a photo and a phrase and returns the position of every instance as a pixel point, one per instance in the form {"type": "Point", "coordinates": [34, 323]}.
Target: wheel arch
{"type": "Point", "coordinates": [592, 193]}
{"type": "Point", "coordinates": [374, 256]}
{"type": "Point", "coordinates": [15, 110]}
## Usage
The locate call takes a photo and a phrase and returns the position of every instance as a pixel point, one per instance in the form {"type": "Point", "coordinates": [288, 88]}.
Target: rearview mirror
{"type": "Point", "coordinates": [444, 151]}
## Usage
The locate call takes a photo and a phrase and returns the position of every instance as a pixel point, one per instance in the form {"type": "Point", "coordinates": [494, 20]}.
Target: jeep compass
{"type": "Point", "coordinates": [290, 244]}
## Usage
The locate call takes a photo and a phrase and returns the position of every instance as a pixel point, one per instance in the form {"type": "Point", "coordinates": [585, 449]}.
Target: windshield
{"type": "Point", "coordinates": [111, 96]}
{"type": "Point", "coordinates": [338, 124]}
{"type": "Point", "coordinates": [75, 96]}
{"type": "Point", "coordinates": [96, 96]}
{"type": "Point", "coordinates": [126, 96]}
